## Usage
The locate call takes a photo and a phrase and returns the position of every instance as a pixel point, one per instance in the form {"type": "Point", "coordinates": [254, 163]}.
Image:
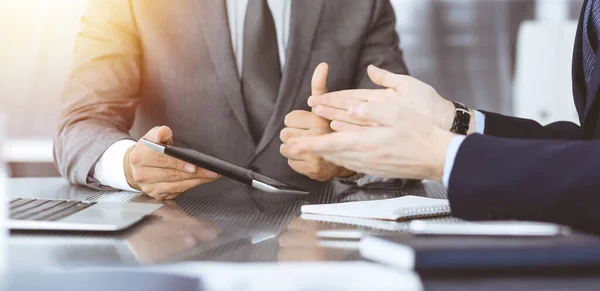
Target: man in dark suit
{"type": "Point", "coordinates": [220, 75]}
{"type": "Point", "coordinates": [494, 166]}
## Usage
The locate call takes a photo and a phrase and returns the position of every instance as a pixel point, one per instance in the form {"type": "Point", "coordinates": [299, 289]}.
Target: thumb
{"type": "Point", "coordinates": [384, 78]}
{"type": "Point", "coordinates": [160, 134]}
{"type": "Point", "coordinates": [319, 80]}
{"type": "Point", "coordinates": [164, 135]}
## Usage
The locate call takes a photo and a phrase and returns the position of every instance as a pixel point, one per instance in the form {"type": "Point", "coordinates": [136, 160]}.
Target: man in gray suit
{"type": "Point", "coordinates": [220, 75]}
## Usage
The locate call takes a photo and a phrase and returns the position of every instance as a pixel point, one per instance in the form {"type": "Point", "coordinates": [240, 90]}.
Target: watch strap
{"type": "Point", "coordinates": [462, 119]}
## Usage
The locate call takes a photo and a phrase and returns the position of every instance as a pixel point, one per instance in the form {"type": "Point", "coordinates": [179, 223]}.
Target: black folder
{"type": "Point", "coordinates": [435, 254]}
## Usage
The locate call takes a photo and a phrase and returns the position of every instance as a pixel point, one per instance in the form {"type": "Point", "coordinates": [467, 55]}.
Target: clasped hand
{"type": "Point", "coordinates": [301, 123]}
{"type": "Point", "coordinates": [398, 132]}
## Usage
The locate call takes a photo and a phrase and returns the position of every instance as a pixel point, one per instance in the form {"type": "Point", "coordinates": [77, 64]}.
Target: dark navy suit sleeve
{"type": "Point", "coordinates": [542, 180]}
{"type": "Point", "coordinates": [504, 126]}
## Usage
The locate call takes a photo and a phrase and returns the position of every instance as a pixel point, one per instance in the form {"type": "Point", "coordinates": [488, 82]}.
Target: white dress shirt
{"type": "Point", "coordinates": [455, 145]}
{"type": "Point", "coordinates": [109, 170]}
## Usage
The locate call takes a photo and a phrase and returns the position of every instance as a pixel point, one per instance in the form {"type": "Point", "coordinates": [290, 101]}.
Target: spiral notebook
{"type": "Point", "coordinates": [401, 208]}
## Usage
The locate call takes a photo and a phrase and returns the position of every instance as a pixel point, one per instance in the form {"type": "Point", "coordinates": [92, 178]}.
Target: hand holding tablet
{"type": "Point", "coordinates": [226, 169]}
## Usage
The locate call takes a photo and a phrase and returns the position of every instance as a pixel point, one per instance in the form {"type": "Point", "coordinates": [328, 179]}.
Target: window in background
{"type": "Point", "coordinates": [467, 50]}
{"type": "Point", "coordinates": [36, 56]}
{"type": "Point", "coordinates": [542, 87]}
{"type": "Point", "coordinates": [36, 59]}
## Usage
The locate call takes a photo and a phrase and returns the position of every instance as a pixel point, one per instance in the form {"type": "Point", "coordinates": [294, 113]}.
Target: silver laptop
{"type": "Point", "coordinates": [45, 214]}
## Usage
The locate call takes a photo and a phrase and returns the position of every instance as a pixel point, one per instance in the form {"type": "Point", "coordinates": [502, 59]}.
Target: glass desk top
{"type": "Point", "coordinates": [229, 222]}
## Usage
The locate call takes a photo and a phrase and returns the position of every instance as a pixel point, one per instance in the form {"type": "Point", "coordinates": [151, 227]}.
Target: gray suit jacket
{"type": "Point", "coordinates": [143, 63]}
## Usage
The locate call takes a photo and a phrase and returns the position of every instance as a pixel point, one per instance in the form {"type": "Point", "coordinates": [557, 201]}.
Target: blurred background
{"type": "Point", "coordinates": [508, 56]}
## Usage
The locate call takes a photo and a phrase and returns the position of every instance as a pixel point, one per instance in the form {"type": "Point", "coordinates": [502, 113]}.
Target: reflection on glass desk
{"type": "Point", "coordinates": [221, 221]}
{"type": "Point", "coordinates": [225, 222]}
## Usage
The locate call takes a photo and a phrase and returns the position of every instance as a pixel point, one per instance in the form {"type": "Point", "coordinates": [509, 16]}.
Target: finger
{"type": "Point", "coordinates": [153, 159]}
{"type": "Point", "coordinates": [171, 196]}
{"type": "Point", "coordinates": [205, 234]}
{"type": "Point", "coordinates": [341, 126]}
{"type": "Point", "coordinates": [287, 152]}
{"type": "Point", "coordinates": [157, 175]}
{"type": "Point", "coordinates": [339, 115]}
{"type": "Point", "coordinates": [157, 195]}
{"type": "Point", "coordinates": [167, 189]}
{"type": "Point", "coordinates": [319, 79]}
{"type": "Point", "coordinates": [383, 114]}
{"type": "Point", "coordinates": [384, 78]}
{"type": "Point", "coordinates": [298, 166]}
{"type": "Point", "coordinates": [142, 156]}
{"type": "Point", "coordinates": [302, 119]}
{"type": "Point", "coordinates": [311, 168]}
{"type": "Point", "coordinates": [339, 141]}
{"type": "Point", "coordinates": [290, 132]}
{"type": "Point", "coordinates": [344, 99]}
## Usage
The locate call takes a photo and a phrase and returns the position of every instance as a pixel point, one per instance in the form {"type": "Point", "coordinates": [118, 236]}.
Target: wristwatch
{"type": "Point", "coordinates": [462, 119]}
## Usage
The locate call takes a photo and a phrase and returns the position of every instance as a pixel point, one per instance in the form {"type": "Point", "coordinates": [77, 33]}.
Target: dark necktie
{"type": "Point", "coordinates": [591, 38]}
{"type": "Point", "coordinates": [261, 70]}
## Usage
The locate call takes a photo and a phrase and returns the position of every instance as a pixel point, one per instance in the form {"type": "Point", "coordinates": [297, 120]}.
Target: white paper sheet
{"type": "Point", "coordinates": [326, 276]}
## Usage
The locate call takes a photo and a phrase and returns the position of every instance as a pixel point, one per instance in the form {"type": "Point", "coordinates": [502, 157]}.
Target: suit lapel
{"type": "Point", "coordinates": [305, 18]}
{"type": "Point", "coordinates": [215, 25]}
{"type": "Point", "coordinates": [579, 89]}
{"type": "Point", "coordinates": [592, 91]}
{"type": "Point", "coordinates": [594, 85]}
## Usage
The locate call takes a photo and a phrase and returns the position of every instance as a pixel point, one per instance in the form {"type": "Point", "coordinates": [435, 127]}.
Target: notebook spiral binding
{"type": "Point", "coordinates": [425, 212]}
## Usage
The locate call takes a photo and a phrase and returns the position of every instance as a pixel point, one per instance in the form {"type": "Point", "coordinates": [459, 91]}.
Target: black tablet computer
{"type": "Point", "coordinates": [227, 169]}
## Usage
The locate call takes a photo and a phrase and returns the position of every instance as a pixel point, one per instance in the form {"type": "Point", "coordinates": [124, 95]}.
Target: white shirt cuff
{"type": "Point", "coordinates": [479, 122]}
{"type": "Point", "coordinates": [450, 157]}
{"type": "Point", "coordinates": [109, 168]}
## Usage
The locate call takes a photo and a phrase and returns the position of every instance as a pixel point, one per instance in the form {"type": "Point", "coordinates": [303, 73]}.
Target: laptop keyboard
{"type": "Point", "coordinates": [45, 210]}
